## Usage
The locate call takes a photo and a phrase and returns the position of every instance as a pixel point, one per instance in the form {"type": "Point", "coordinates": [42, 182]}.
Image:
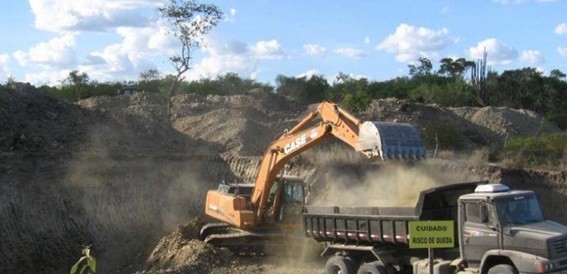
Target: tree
{"type": "Point", "coordinates": [305, 90]}
{"type": "Point", "coordinates": [557, 74]}
{"type": "Point", "coordinates": [423, 69]}
{"type": "Point", "coordinates": [150, 81]}
{"type": "Point", "coordinates": [454, 68]}
{"type": "Point", "coordinates": [76, 84]}
{"type": "Point", "coordinates": [188, 22]}
{"type": "Point", "coordinates": [149, 75]}
{"type": "Point", "coordinates": [522, 89]}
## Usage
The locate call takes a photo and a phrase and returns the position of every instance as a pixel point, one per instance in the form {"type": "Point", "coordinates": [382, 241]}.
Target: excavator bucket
{"type": "Point", "coordinates": [390, 140]}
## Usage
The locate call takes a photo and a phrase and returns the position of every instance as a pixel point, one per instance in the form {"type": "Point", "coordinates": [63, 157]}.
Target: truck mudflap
{"type": "Point", "coordinates": [391, 140]}
{"type": "Point", "coordinates": [523, 262]}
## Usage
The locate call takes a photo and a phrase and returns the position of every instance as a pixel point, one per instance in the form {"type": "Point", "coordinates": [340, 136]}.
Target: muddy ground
{"type": "Point", "coordinates": [117, 173]}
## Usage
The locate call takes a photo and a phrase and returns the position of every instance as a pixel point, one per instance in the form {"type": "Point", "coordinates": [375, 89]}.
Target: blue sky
{"type": "Point", "coordinates": [116, 40]}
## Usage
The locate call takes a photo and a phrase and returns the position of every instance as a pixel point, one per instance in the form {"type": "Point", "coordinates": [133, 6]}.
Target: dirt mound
{"type": "Point", "coordinates": [241, 124]}
{"type": "Point", "coordinates": [480, 126]}
{"type": "Point", "coordinates": [507, 122]}
{"type": "Point", "coordinates": [30, 120]}
{"type": "Point", "coordinates": [182, 252]}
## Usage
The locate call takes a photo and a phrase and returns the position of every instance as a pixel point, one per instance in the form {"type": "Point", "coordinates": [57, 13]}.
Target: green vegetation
{"type": "Point", "coordinates": [524, 88]}
{"type": "Point", "coordinates": [86, 262]}
{"type": "Point", "coordinates": [545, 150]}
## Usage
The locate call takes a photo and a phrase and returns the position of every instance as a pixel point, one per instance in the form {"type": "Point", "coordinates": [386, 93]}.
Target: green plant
{"type": "Point", "coordinates": [87, 262]}
{"type": "Point", "coordinates": [547, 149]}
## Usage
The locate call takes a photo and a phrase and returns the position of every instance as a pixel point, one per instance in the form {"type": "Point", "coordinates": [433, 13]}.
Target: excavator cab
{"type": "Point", "coordinates": [286, 199]}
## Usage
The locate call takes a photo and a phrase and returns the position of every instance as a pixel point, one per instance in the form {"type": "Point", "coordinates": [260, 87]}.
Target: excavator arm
{"type": "Point", "coordinates": [373, 139]}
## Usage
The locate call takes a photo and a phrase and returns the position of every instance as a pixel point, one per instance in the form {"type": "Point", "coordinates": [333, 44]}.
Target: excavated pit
{"type": "Point", "coordinates": [114, 172]}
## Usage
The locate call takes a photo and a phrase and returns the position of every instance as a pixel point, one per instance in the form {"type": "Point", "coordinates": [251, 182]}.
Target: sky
{"type": "Point", "coordinates": [41, 41]}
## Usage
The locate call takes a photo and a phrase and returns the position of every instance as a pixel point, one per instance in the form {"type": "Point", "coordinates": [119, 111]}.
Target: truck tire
{"type": "Point", "coordinates": [502, 269]}
{"type": "Point", "coordinates": [340, 265]}
{"type": "Point", "coordinates": [372, 268]}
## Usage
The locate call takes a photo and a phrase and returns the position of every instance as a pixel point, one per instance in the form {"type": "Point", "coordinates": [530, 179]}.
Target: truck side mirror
{"type": "Point", "coordinates": [483, 213]}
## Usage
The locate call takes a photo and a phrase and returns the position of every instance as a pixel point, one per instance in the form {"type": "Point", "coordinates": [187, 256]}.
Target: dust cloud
{"type": "Point", "coordinates": [379, 185]}
{"type": "Point", "coordinates": [127, 202]}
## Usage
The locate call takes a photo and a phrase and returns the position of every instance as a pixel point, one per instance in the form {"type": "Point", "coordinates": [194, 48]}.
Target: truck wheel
{"type": "Point", "coordinates": [502, 269]}
{"type": "Point", "coordinates": [372, 268]}
{"type": "Point", "coordinates": [340, 265]}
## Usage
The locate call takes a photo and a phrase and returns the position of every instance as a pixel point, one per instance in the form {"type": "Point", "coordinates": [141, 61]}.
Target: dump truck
{"type": "Point", "coordinates": [495, 230]}
{"type": "Point", "coordinates": [246, 215]}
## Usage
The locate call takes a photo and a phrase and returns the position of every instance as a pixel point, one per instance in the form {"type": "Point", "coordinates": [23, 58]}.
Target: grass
{"type": "Point", "coordinates": [546, 151]}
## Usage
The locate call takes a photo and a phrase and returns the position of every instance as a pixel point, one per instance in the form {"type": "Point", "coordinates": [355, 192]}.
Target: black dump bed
{"type": "Point", "coordinates": [361, 225]}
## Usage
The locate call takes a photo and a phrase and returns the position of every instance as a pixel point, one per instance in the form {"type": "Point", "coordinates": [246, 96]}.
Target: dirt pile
{"type": "Point", "coordinates": [479, 126]}
{"type": "Point", "coordinates": [506, 122]}
{"type": "Point", "coordinates": [240, 124]}
{"type": "Point", "coordinates": [182, 252]}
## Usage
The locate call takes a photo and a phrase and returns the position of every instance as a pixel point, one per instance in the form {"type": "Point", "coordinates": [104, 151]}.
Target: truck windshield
{"type": "Point", "coordinates": [519, 210]}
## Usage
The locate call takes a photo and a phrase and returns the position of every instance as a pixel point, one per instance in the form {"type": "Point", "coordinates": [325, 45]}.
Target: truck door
{"type": "Point", "coordinates": [478, 230]}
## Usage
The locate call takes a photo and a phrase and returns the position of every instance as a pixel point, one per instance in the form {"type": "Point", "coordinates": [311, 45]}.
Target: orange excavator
{"type": "Point", "coordinates": [254, 212]}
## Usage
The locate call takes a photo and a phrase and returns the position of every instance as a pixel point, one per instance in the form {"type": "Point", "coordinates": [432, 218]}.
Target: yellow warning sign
{"type": "Point", "coordinates": [431, 234]}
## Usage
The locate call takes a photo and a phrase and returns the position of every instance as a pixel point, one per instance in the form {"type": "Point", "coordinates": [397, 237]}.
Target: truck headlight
{"type": "Point", "coordinates": [544, 266]}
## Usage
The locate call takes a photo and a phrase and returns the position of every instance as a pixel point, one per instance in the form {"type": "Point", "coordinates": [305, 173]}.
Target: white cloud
{"type": "Point", "coordinates": [4, 71]}
{"type": "Point", "coordinates": [92, 15]}
{"type": "Point", "coordinates": [125, 60]}
{"type": "Point", "coordinates": [409, 43]}
{"type": "Point", "coordinates": [367, 40]}
{"type": "Point", "coordinates": [561, 29]}
{"type": "Point", "coordinates": [446, 9]}
{"type": "Point", "coordinates": [234, 56]}
{"type": "Point", "coordinates": [309, 74]}
{"type": "Point", "coordinates": [46, 77]}
{"type": "Point", "coordinates": [336, 79]}
{"type": "Point", "coordinates": [215, 65]}
{"type": "Point", "coordinates": [270, 49]}
{"type": "Point", "coordinates": [498, 53]}
{"type": "Point", "coordinates": [58, 52]}
{"type": "Point", "coordinates": [351, 52]}
{"type": "Point", "coordinates": [562, 51]}
{"type": "Point", "coordinates": [314, 49]}
{"type": "Point", "coordinates": [532, 57]}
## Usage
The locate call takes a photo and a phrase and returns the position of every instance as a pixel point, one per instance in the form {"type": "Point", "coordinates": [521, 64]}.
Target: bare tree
{"type": "Point", "coordinates": [188, 22]}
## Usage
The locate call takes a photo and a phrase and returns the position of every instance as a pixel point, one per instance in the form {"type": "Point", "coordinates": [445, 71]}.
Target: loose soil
{"type": "Point", "coordinates": [117, 173]}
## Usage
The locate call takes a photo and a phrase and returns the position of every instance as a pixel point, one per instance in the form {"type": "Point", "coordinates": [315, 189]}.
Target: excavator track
{"type": "Point", "coordinates": [212, 228]}
{"type": "Point", "coordinates": [246, 243]}
{"type": "Point", "coordinates": [241, 242]}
